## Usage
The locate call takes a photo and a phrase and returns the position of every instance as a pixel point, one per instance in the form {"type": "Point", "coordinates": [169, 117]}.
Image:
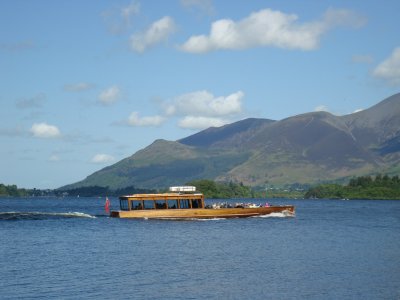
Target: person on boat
{"type": "Point", "coordinates": [267, 204]}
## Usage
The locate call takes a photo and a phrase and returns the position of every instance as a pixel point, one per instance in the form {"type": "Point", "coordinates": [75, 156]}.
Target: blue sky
{"type": "Point", "coordinates": [85, 84]}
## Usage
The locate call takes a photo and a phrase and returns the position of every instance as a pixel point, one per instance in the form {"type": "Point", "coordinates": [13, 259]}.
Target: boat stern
{"type": "Point", "coordinates": [115, 214]}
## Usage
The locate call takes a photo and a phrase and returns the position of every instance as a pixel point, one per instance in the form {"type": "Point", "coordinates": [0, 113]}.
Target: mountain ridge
{"type": "Point", "coordinates": [308, 148]}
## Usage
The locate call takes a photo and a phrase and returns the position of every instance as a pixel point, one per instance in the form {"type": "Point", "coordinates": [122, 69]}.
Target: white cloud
{"type": "Point", "coordinates": [193, 122]}
{"type": "Point", "coordinates": [196, 110]}
{"type": "Point", "coordinates": [110, 95]}
{"type": "Point", "coordinates": [321, 108]}
{"type": "Point", "coordinates": [102, 159]}
{"type": "Point", "coordinates": [78, 87]}
{"type": "Point", "coordinates": [270, 28]}
{"type": "Point", "coordinates": [158, 32]}
{"type": "Point", "coordinates": [136, 120]}
{"type": "Point", "coordinates": [389, 69]}
{"type": "Point", "coordinates": [201, 109]}
{"type": "Point", "coordinates": [203, 103]}
{"type": "Point", "coordinates": [43, 130]}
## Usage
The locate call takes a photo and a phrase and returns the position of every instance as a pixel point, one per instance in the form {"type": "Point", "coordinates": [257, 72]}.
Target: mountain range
{"type": "Point", "coordinates": [309, 148]}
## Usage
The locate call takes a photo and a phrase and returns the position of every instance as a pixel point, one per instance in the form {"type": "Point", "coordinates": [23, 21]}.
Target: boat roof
{"type": "Point", "coordinates": [161, 196]}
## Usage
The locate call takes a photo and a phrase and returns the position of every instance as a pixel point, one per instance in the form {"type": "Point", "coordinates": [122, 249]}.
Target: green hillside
{"type": "Point", "coordinates": [310, 148]}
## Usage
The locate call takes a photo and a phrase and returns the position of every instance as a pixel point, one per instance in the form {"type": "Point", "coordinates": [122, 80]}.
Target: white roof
{"type": "Point", "coordinates": [187, 188]}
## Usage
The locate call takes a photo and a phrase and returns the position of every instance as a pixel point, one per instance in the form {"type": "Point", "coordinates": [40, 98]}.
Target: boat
{"type": "Point", "coordinates": [183, 202]}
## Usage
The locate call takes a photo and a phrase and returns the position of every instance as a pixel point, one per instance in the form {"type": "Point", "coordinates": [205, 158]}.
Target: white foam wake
{"type": "Point", "coordinates": [35, 215]}
{"type": "Point", "coordinates": [284, 214]}
{"type": "Point", "coordinates": [77, 214]}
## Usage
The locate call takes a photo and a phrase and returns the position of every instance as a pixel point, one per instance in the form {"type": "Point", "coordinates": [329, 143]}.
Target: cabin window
{"type": "Point", "coordinates": [196, 203]}
{"type": "Point", "coordinates": [136, 204]}
{"type": "Point", "coordinates": [148, 204]}
{"type": "Point", "coordinates": [161, 204]}
{"type": "Point", "coordinates": [172, 204]}
{"type": "Point", "coordinates": [123, 203]}
{"type": "Point", "coordinates": [184, 203]}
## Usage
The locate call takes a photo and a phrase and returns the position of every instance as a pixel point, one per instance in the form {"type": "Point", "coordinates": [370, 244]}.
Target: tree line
{"type": "Point", "coordinates": [87, 191]}
{"type": "Point", "coordinates": [12, 190]}
{"type": "Point", "coordinates": [218, 190]}
{"type": "Point", "coordinates": [209, 188]}
{"type": "Point", "coordinates": [363, 187]}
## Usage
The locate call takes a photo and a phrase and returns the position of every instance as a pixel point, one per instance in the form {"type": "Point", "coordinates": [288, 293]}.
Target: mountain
{"type": "Point", "coordinates": [307, 148]}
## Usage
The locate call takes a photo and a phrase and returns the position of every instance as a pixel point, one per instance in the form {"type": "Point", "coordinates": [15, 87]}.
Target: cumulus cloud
{"type": "Point", "coordinates": [389, 69]}
{"type": "Point", "coordinates": [102, 159]}
{"type": "Point", "coordinates": [201, 109]}
{"type": "Point", "coordinates": [136, 120]}
{"type": "Point", "coordinates": [193, 122]}
{"type": "Point", "coordinates": [110, 95]}
{"type": "Point", "coordinates": [195, 110]}
{"type": "Point", "coordinates": [321, 108]}
{"type": "Point", "coordinates": [203, 103]}
{"type": "Point", "coordinates": [158, 32]}
{"type": "Point", "coordinates": [44, 130]}
{"type": "Point", "coordinates": [78, 87]}
{"type": "Point", "coordinates": [272, 28]}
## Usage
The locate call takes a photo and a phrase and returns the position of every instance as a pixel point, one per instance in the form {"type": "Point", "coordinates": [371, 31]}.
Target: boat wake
{"type": "Point", "coordinates": [186, 219]}
{"type": "Point", "coordinates": [210, 219]}
{"type": "Point", "coordinates": [284, 214]}
{"type": "Point", "coordinates": [14, 216]}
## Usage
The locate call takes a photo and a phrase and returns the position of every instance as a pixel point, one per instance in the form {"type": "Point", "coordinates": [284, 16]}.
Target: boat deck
{"type": "Point", "coordinates": [203, 213]}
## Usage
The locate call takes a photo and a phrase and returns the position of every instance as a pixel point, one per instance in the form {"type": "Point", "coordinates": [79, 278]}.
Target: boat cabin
{"type": "Point", "coordinates": [180, 198]}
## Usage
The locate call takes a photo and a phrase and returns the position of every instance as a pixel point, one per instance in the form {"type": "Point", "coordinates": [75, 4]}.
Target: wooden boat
{"type": "Point", "coordinates": [184, 203]}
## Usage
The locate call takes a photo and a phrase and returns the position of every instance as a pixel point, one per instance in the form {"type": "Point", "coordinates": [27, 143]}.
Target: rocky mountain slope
{"type": "Point", "coordinates": [307, 148]}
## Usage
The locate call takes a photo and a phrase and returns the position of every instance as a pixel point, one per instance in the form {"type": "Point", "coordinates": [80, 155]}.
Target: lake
{"type": "Point", "coordinates": [67, 248]}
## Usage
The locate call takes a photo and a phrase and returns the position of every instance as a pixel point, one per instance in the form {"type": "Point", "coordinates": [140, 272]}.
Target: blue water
{"type": "Point", "coordinates": [69, 249]}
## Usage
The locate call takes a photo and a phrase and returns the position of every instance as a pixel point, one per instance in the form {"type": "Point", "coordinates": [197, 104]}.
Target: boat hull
{"type": "Point", "coordinates": [202, 213]}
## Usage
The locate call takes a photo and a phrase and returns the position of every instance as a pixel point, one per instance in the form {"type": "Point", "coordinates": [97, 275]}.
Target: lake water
{"type": "Point", "coordinates": [69, 249]}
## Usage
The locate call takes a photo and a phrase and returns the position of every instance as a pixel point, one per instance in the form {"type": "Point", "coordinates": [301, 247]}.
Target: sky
{"type": "Point", "coordinates": [84, 84]}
